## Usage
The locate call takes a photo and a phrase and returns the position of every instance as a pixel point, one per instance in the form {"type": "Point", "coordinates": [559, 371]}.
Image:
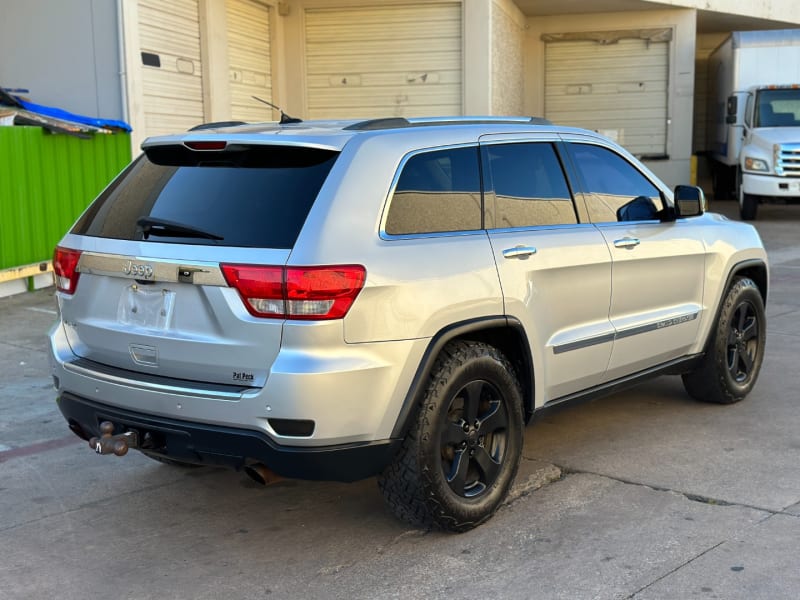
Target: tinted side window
{"type": "Point", "coordinates": [257, 197]}
{"type": "Point", "coordinates": [529, 186]}
{"type": "Point", "coordinates": [437, 191]}
{"type": "Point", "coordinates": [611, 183]}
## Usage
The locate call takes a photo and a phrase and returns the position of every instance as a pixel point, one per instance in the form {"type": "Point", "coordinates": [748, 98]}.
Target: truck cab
{"type": "Point", "coordinates": [769, 156]}
{"type": "Point", "coordinates": [754, 118]}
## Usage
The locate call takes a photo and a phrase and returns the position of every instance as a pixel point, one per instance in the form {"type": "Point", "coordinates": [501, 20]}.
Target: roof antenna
{"type": "Point", "coordinates": [284, 117]}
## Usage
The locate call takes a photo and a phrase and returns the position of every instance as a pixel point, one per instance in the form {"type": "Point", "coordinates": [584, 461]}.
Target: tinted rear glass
{"type": "Point", "coordinates": [438, 191]}
{"type": "Point", "coordinates": [257, 196]}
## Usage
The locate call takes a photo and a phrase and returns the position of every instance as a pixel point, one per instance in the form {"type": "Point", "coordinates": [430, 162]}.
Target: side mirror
{"type": "Point", "coordinates": [690, 201]}
{"type": "Point", "coordinates": [640, 208]}
{"type": "Point", "coordinates": [731, 109]}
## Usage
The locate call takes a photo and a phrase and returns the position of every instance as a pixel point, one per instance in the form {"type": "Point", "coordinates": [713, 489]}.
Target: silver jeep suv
{"type": "Point", "coordinates": [337, 300]}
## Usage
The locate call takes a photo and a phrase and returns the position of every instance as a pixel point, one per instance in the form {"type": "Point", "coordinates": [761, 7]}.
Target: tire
{"type": "Point", "coordinates": [722, 183]}
{"type": "Point", "coordinates": [748, 203]}
{"type": "Point", "coordinates": [733, 358]}
{"type": "Point", "coordinates": [460, 457]}
{"type": "Point", "coordinates": [170, 461]}
{"type": "Point", "coordinates": [748, 206]}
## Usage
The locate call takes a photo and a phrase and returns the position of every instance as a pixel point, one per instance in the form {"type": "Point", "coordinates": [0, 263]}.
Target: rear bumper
{"type": "Point", "coordinates": [231, 447]}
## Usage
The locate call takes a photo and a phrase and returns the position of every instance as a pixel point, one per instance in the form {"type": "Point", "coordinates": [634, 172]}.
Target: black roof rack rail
{"type": "Point", "coordinates": [216, 125]}
{"type": "Point", "coordinates": [401, 122]}
{"type": "Point", "coordinates": [375, 124]}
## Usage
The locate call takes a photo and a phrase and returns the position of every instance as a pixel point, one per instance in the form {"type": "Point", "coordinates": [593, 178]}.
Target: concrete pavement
{"type": "Point", "coordinates": [645, 494]}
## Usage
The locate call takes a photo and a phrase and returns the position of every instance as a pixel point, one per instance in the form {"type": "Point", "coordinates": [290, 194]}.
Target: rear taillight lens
{"type": "Point", "coordinates": [65, 266]}
{"type": "Point", "coordinates": [305, 293]}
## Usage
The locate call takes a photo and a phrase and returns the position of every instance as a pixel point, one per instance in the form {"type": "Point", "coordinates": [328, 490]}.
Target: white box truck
{"type": "Point", "coordinates": [754, 118]}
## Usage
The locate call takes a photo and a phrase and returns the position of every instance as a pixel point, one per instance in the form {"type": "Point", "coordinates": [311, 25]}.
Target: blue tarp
{"type": "Point", "coordinates": [58, 113]}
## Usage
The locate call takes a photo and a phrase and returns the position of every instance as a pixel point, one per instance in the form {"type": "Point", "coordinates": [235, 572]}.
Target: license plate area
{"type": "Point", "coordinates": [146, 306]}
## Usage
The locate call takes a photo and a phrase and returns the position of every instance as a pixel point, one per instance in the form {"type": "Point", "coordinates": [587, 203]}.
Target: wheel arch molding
{"type": "Point", "coordinates": [754, 269]}
{"type": "Point", "coordinates": [504, 333]}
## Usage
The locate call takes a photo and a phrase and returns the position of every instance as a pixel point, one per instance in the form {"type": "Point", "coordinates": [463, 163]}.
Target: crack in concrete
{"type": "Point", "coordinates": [676, 569]}
{"type": "Point", "coordinates": [694, 558]}
{"type": "Point", "coordinates": [688, 495]}
{"type": "Point", "coordinates": [107, 499]}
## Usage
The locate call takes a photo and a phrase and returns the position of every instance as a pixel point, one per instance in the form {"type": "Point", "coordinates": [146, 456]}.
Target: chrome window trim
{"type": "Point", "coordinates": [541, 228]}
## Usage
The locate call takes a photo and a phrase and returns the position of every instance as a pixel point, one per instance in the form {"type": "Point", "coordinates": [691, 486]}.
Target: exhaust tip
{"type": "Point", "coordinates": [77, 430]}
{"type": "Point", "coordinates": [262, 474]}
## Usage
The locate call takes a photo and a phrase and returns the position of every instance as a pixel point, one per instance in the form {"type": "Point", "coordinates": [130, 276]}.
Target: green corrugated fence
{"type": "Point", "coordinates": [46, 181]}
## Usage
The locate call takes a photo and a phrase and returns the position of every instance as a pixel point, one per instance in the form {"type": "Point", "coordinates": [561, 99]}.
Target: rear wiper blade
{"type": "Point", "coordinates": [164, 228]}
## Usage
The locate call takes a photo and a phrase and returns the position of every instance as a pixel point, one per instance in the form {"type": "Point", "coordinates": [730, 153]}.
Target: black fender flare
{"type": "Point", "coordinates": [736, 270]}
{"type": "Point", "coordinates": [462, 329]}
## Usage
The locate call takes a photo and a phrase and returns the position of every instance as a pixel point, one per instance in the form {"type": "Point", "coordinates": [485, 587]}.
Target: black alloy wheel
{"type": "Point", "coordinates": [460, 456]}
{"type": "Point", "coordinates": [732, 360]}
{"type": "Point", "coordinates": [743, 342]}
{"type": "Point", "coordinates": [474, 439]}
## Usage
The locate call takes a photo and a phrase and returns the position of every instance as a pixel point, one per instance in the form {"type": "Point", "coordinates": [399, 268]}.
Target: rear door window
{"type": "Point", "coordinates": [529, 186]}
{"type": "Point", "coordinates": [256, 196]}
{"type": "Point", "coordinates": [437, 191]}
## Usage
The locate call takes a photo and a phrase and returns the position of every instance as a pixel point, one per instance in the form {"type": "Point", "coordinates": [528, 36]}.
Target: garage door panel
{"type": "Point", "coordinates": [170, 10]}
{"type": "Point", "coordinates": [409, 30]}
{"type": "Point", "coordinates": [379, 97]}
{"type": "Point", "coordinates": [250, 60]}
{"type": "Point", "coordinates": [369, 111]}
{"type": "Point", "coordinates": [429, 14]}
{"type": "Point", "coordinates": [172, 94]}
{"type": "Point", "coordinates": [162, 124]}
{"type": "Point", "coordinates": [161, 83]}
{"type": "Point", "coordinates": [396, 67]}
{"type": "Point", "coordinates": [384, 61]}
{"type": "Point", "coordinates": [154, 42]}
{"type": "Point", "coordinates": [378, 80]}
{"type": "Point", "coordinates": [620, 87]}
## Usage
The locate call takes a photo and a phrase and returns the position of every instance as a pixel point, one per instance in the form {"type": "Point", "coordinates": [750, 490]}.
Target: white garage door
{"type": "Point", "coordinates": [619, 89]}
{"type": "Point", "coordinates": [384, 61]}
{"type": "Point", "coordinates": [250, 60]}
{"type": "Point", "coordinates": [172, 82]}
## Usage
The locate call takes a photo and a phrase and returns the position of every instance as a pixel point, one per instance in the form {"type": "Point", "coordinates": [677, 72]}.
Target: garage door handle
{"type": "Point", "coordinates": [626, 243]}
{"type": "Point", "coordinates": [519, 252]}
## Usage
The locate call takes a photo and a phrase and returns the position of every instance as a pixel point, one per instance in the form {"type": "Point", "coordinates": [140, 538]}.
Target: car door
{"type": "Point", "coordinates": [657, 267]}
{"type": "Point", "coordinates": [554, 271]}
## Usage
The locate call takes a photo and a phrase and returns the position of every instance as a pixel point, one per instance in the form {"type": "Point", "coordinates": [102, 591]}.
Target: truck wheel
{"type": "Point", "coordinates": [748, 204]}
{"type": "Point", "coordinates": [460, 457]}
{"type": "Point", "coordinates": [733, 357]}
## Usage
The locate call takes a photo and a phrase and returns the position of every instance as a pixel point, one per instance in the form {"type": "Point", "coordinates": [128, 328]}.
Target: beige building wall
{"type": "Point", "coordinates": [503, 57]}
{"type": "Point", "coordinates": [508, 52]}
{"type": "Point", "coordinates": [680, 104]}
{"type": "Point", "coordinates": [774, 10]}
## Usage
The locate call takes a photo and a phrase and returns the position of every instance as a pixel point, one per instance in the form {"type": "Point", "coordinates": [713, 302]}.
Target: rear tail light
{"type": "Point", "coordinates": [302, 293]}
{"type": "Point", "coordinates": [65, 265]}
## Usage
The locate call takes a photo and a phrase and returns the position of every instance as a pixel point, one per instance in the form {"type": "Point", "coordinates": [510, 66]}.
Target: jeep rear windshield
{"type": "Point", "coordinates": [251, 196]}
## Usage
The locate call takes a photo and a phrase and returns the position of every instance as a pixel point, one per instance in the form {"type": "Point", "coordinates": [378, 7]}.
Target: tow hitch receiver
{"type": "Point", "coordinates": [113, 444]}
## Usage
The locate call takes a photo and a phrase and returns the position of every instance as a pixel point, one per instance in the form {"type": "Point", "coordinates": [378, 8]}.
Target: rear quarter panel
{"type": "Point", "coordinates": [415, 286]}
